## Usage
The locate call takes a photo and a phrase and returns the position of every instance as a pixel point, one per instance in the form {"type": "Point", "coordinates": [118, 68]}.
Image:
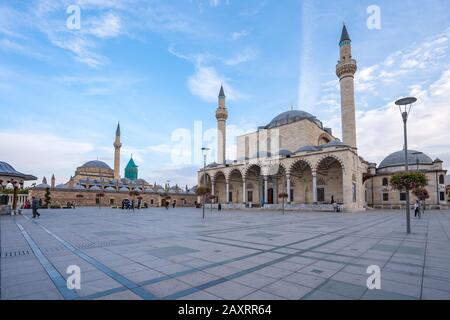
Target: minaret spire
{"type": "Point", "coordinates": [117, 146]}
{"type": "Point", "coordinates": [344, 36]}
{"type": "Point", "coordinates": [221, 116]}
{"type": "Point", "coordinates": [345, 70]}
{"type": "Point", "coordinates": [118, 130]}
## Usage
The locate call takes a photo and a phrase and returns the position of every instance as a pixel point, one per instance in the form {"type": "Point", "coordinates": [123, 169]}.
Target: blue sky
{"type": "Point", "coordinates": [157, 66]}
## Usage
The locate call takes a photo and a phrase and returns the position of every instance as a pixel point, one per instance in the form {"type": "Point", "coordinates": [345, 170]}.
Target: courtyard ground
{"type": "Point", "coordinates": [174, 254]}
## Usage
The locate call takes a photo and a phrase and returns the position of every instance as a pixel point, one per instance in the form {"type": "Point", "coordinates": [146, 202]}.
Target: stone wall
{"type": "Point", "coordinates": [88, 198]}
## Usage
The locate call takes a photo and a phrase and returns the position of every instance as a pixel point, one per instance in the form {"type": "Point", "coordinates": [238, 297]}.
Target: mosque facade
{"type": "Point", "coordinates": [297, 162]}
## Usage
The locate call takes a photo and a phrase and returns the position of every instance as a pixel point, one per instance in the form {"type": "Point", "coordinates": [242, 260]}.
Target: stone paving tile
{"type": "Point", "coordinates": [96, 286]}
{"type": "Point", "coordinates": [143, 275]}
{"type": "Point", "coordinates": [287, 290]}
{"type": "Point", "coordinates": [261, 295]}
{"type": "Point", "coordinates": [124, 295]}
{"type": "Point", "coordinates": [306, 280]}
{"type": "Point", "coordinates": [166, 287]}
{"type": "Point", "coordinates": [255, 280]}
{"type": "Point", "coordinates": [230, 290]}
{"type": "Point", "coordinates": [239, 255]}
{"type": "Point", "coordinates": [345, 289]}
{"type": "Point", "coordinates": [201, 295]}
{"type": "Point", "coordinates": [384, 295]}
{"type": "Point", "coordinates": [323, 295]}
{"type": "Point", "coordinates": [434, 294]}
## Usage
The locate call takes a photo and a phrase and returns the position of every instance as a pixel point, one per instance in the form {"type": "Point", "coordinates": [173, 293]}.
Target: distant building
{"type": "Point", "coordinates": [95, 183]}
{"type": "Point", "coordinates": [131, 170]}
{"type": "Point", "coordinates": [380, 194]}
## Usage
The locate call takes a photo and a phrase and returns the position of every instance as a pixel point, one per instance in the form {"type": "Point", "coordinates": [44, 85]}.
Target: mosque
{"type": "Point", "coordinates": [95, 183]}
{"type": "Point", "coordinates": [296, 160]}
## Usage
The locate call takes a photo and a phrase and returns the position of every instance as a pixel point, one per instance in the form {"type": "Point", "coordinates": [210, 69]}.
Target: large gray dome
{"type": "Point", "coordinates": [96, 164]}
{"type": "Point", "coordinates": [398, 159]}
{"type": "Point", "coordinates": [292, 116]}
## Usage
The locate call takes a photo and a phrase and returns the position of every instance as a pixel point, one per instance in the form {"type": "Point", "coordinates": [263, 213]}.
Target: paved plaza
{"type": "Point", "coordinates": [173, 254]}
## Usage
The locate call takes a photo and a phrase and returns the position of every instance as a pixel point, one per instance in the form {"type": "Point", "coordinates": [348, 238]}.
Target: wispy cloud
{"type": "Point", "coordinates": [242, 57]}
{"type": "Point", "coordinates": [239, 34]}
{"type": "Point", "coordinates": [206, 81]}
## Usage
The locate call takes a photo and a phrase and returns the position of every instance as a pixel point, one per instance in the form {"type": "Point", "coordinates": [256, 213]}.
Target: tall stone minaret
{"type": "Point", "coordinates": [221, 116]}
{"type": "Point", "coordinates": [117, 146]}
{"type": "Point", "coordinates": [345, 70]}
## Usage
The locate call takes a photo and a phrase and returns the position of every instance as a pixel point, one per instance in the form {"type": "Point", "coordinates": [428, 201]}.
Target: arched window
{"type": "Point", "coordinates": [441, 179]}
{"type": "Point", "coordinates": [385, 182]}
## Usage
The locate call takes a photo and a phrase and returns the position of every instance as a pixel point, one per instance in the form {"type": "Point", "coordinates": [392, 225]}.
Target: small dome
{"type": "Point", "coordinates": [334, 143]}
{"type": "Point", "coordinates": [290, 117]}
{"type": "Point", "coordinates": [96, 164]}
{"type": "Point", "coordinates": [398, 159]}
{"type": "Point", "coordinates": [212, 165]}
{"type": "Point", "coordinates": [285, 153]}
{"type": "Point", "coordinates": [95, 188]}
{"type": "Point", "coordinates": [124, 189]}
{"type": "Point", "coordinates": [79, 187]}
{"type": "Point", "coordinates": [308, 149]}
{"type": "Point", "coordinates": [110, 189]}
{"type": "Point", "coordinates": [61, 186]}
{"type": "Point", "coordinates": [262, 154]}
{"type": "Point", "coordinates": [43, 185]}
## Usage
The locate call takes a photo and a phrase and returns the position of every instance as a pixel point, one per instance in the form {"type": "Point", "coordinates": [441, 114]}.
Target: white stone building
{"type": "Point", "coordinates": [297, 156]}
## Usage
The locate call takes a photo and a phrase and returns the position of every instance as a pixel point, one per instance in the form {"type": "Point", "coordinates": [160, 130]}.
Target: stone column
{"type": "Point", "coordinates": [213, 189]}
{"type": "Point", "coordinates": [266, 190]}
{"type": "Point", "coordinates": [314, 186]}
{"type": "Point", "coordinates": [244, 193]}
{"type": "Point", "coordinates": [288, 188]}
{"type": "Point", "coordinates": [228, 192]}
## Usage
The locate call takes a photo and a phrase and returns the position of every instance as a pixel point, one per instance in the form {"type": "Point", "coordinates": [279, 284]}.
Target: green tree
{"type": "Point", "coordinates": [47, 197]}
{"type": "Point", "coordinates": [407, 181]}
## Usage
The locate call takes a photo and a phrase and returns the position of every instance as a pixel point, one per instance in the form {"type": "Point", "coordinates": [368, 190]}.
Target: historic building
{"type": "Point", "coordinates": [95, 183]}
{"type": "Point", "coordinates": [379, 193]}
{"type": "Point", "coordinates": [297, 156]}
{"type": "Point", "coordinates": [13, 179]}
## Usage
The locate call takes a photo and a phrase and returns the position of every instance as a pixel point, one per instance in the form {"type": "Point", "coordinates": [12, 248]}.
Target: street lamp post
{"type": "Point", "coordinates": [204, 150]}
{"type": "Point", "coordinates": [417, 159]}
{"type": "Point", "coordinates": [404, 106]}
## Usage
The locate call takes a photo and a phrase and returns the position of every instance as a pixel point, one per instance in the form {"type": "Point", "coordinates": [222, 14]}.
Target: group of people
{"type": "Point", "coordinates": [167, 204]}
{"type": "Point", "coordinates": [129, 205]}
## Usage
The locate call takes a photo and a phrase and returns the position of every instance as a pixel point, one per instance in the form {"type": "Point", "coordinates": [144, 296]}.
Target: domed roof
{"type": "Point", "coordinates": [334, 143]}
{"type": "Point", "coordinates": [7, 170]}
{"type": "Point", "coordinates": [285, 153]}
{"type": "Point", "coordinates": [290, 117]}
{"type": "Point", "coordinates": [308, 149]}
{"type": "Point", "coordinates": [96, 164]}
{"type": "Point", "coordinates": [398, 159]}
{"type": "Point", "coordinates": [96, 188]}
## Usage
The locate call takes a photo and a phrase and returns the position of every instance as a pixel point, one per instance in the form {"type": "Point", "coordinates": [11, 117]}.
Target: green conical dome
{"type": "Point", "coordinates": [131, 170]}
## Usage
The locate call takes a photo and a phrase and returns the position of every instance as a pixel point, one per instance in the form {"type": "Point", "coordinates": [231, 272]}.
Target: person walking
{"type": "Point", "coordinates": [167, 205]}
{"type": "Point", "coordinates": [174, 203]}
{"type": "Point", "coordinates": [219, 207]}
{"type": "Point", "coordinates": [416, 209]}
{"type": "Point", "coordinates": [34, 207]}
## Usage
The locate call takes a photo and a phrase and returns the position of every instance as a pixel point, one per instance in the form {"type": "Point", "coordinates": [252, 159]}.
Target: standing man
{"type": "Point", "coordinates": [34, 207]}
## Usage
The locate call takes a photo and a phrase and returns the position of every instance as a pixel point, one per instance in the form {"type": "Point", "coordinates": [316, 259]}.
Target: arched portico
{"type": "Point", "coordinates": [329, 180]}
{"type": "Point", "coordinates": [220, 187]}
{"type": "Point", "coordinates": [235, 181]}
{"type": "Point", "coordinates": [301, 183]}
{"type": "Point", "coordinates": [253, 185]}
